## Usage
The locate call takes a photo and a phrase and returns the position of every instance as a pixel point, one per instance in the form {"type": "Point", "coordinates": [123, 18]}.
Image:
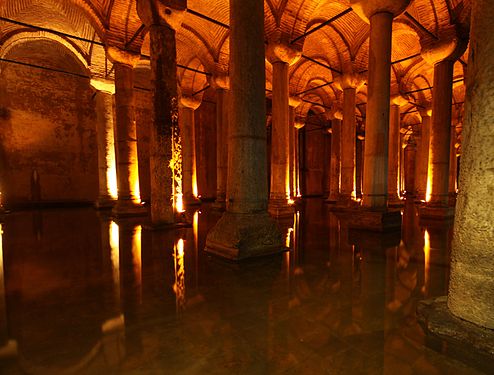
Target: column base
{"type": "Point", "coordinates": [280, 208]}
{"type": "Point", "coordinates": [104, 203]}
{"type": "Point", "coordinates": [344, 205]}
{"type": "Point", "coordinates": [455, 337]}
{"type": "Point", "coordinates": [452, 199]}
{"type": "Point", "coordinates": [372, 220]}
{"type": "Point", "coordinates": [125, 208]}
{"type": "Point", "coordinates": [192, 201]}
{"type": "Point", "coordinates": [241, 236]}
{"type": "Point", "coordinates": [430, 212]}
{"type": "Point", "coordinates": [395, 202]}
{"type": "Point", "coordinates": [219, 204]}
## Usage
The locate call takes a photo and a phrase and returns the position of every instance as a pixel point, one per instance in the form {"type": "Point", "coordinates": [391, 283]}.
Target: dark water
{"type": "Point", "coordinates": [84, 294]}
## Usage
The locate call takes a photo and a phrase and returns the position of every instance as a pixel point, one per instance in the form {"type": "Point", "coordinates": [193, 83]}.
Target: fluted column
{"type": "Point", "coordinates": [126, 135]}
{"type": "Point", "coordinates": [245, 229]}
{"type": "Point", "coordinates": [471, 289]}
{"type": "Point", "coordinates": [281, 56]}
{"type": "Point", "coordinates": [380, 15]}
{"type": "Point", "coordinates": [188, 106]}
{"type": "Point", "coordinates": [221, 85]}
{"type": "Point", "coordinates": [162, 19]}
{"type": "Point", "coordinates": [107, 177]}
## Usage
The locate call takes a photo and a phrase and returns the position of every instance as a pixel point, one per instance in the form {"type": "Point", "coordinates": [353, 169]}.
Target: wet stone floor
{"type": "Point", "coordinates": [83, 294]}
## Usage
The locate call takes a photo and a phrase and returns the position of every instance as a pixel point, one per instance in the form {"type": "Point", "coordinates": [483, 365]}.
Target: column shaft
{"type": "Point", "coordinates": [334, 178]}
{"type": "Point", "coordinates": [165, 120]}
{"type": "Point", "coordinates": [348, 139]}
{"type": "Point", "coordinates": [280, 156]}
{"type": "Point", "coordinates": [107, 177]}
{"type": "Point", "coordinates": [471, 288]}
{"type": "Point", "coordinates": [410, 158]}
{"type": "Point", "coordinates": [377, 122]}
{"type": "Point", "coordinates": [423, 158]}
{"type": "Point", "coordinates": [394, 154]}
{"type": "Point", "coordinates": [292, 150]}
{"type": "Point", "coordinates": [441, 132]}
{"type": "Point", "coordinates": [452, 166]}
{"type": "Point", "coordinates": [126, 139]}
{"type": "Point", "coordinates": [222, 110]}
{"type": "Point", "coordinates": [189, 160]}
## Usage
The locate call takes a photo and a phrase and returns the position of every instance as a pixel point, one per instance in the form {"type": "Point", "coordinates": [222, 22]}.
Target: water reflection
{"type": "Point", "coordinates": [104, 295]}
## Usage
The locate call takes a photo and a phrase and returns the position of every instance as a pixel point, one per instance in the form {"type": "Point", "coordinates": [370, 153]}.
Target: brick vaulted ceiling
{"type": "Point", "coordinates": [341, 45]}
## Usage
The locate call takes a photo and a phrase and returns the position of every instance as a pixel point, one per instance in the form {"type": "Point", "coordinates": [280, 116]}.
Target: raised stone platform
{"type": "Point", "coordinates": [280, 208]}
{"type": "Point", "coordinates": [372, 220]}
{"type": "Point", "coordinates": [455, 337]}
{"type": "Point", "coordinates": [240, 236]}
{"type": "Point", "coordinates": [436, 213]}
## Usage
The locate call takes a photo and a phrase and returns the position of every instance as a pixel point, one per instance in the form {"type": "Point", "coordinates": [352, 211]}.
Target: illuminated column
{"type": "Point", "coordinates": [125, 135]}
{"type": "Point", "coordinates": [410, 157]}
{"type": "Point", "coordinates": [348, 144]}
{"type": "Point", "coordinates": [394, 150]}
{"type": "Point", "coordinates": [188, 105]}
{"type": "Point", "coordinates": [471, 288]}
{"type": "Point", "coordinates": [165, 160]}
{"type": "Point", "coordinates": [245, 229]}
{"type": "Point", "coordinates": [294, 102]}
{"type": "Point", "coordinates": [334, 173]}
{"type": "Point", "coordinates": [280, 56]}
{"type": "Point", "coordinates": [423, 155]}
{"type": "Point", "coordinates": [442, 55]}
{"type": "Point", "coordinates": [299, 124]}
{"type": "Point", "coordinates": [453, 165]}
{"type": "Point", "coordinates": [380, 15]}
{"type": "Point", "coordinates": [107, 177]}
{"type": "Point", "coordinates": [221, 85]}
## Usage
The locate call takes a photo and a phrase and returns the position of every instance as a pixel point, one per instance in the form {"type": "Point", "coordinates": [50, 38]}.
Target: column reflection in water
{"type": "Point", "coordinates": [179, 285]}
{"type": "Point", "coordinates": [437, 244]}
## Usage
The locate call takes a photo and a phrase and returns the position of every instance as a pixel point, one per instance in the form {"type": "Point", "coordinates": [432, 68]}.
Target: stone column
{"type": "Point", "coordinates": [359, 165]}
{"type": "Point", "coordinates": [221, 85]}
{"type": "Point", "coordinates": [188, 105]}
{"type": "Point", "coordinates": [294, 102]}
{"type": "Point", "coordinates": [380, 15]}
{"type": "Point", "coordinates": [245, 229]}
{"type": "Point", "coordinates": [394, 151]}
{"type": "Point", "coordinates": [335, 166]}
{"type": "Point", "coordinates": [471, 289]}
{"type": "Point", "coordinates": [281, 56]}
{"type": "Point", "coordinates": [423, 155]}
{"type": "Point", "coordinates": [299, 124]}
{"type": "Point", "coordinates": [107, 177]}
{"type": "Point", "coordinates": [453, 165]}
{"type": "Point", "coordinates": [442, 55]}
{"type": "Point", "coordinates": [410, 157]}
{"type": "Point", "coordinates": [128, 203]}
{"type": "Point", "coordinates": [348, 140]}
{"type": "Point", "coordinates": [162, 19]}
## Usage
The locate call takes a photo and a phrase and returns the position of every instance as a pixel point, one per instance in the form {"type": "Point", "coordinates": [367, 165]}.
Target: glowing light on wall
{"type": "Point", "coordinates": [179, 285]}
{"type": "Point", "coordinates": [115, 258]}
{"type": "Point", "coordinates": [427, 254]}
{"type": "Point", "coordinates": [137, 257]}
{"type": "Point", "coordinates": [428, 193]}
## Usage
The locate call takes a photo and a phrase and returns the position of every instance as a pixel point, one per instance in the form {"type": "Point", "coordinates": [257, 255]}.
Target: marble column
{"type": "Point", "coordinates": [394, 155]}
{"type": "Point", "coordinates": [423, 155]}
{"type": "Point", "coordinates": [335, 164]}
{"type": "Point", "coordinates": [107, 177]}
{"type": "Point", "coordinates": [245, 229]}
{"type": "Point", "coordinates": [348, 142]}
{"type": "Point", "coordinates": [128, 203]}
{"type": "Point", "coordinates": [281, 56]}
{"type": "Point", "coordinates": [188, 106]}
{"type": "Point", "coordinates": [410, 158]}
{"type": "Point", "coordinates": [222, 114]}
{"type": "Point", "coordinates": [162, 20]}
{"type": "Point", "coordinates": [471, 288]}
{"type": "Point", "coordinates": [380, 15]}
{"type": "Point", "coordinates": [294, 102]}
{"type": "Point", "coordinates": [299, 124]}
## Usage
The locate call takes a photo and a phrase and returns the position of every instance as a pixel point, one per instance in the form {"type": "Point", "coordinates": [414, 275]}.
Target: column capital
{"type": "Point", "coordinates": [450, 46]}
{"type": "Point", "coordinates": [299, 123]}
{"type": "Point", "coordinates": [104, 85]}
{"type": "Point", "coordinates": [294, 101]}
{"type": "Point", "coordinates": [280, 51]}
{"type": "Point", "coordinates": [425, 109]}
{"type": "Point", "coordinates": [191, 102]}
{"type": "Point", "coordinates": [399, 100]}
{"type": "Point", "coordinates": [162, 12]}
{"type": "Point", "coordinates": [335, 113]}
{"type": "Point", "coordinates": [350, 81]}
{"type": "Point", "coordinates": [367, 8]}
{"type": "Point", "coordinates": [220, 81]}
{"type": "Point", "coordinates": [120, 56]}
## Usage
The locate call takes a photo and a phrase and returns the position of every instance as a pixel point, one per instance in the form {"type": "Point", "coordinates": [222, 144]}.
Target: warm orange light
{"type": "Point", "coordinates": [114, 257]}
{"type": "Point", "coordinates": [179, 285]}
{"type": "Point", "coordinates": [176, 167]}
{"type": "Point", "coordinates": [291, 202]}
{"type": "Point", "coordinates": [288, 237]}
{"type": "Point", "coordinates": [427, 254]}
{"type": "Point", "coordinates": [136, 255]}
{"type": "Point", "coordinates": [428, 193]}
